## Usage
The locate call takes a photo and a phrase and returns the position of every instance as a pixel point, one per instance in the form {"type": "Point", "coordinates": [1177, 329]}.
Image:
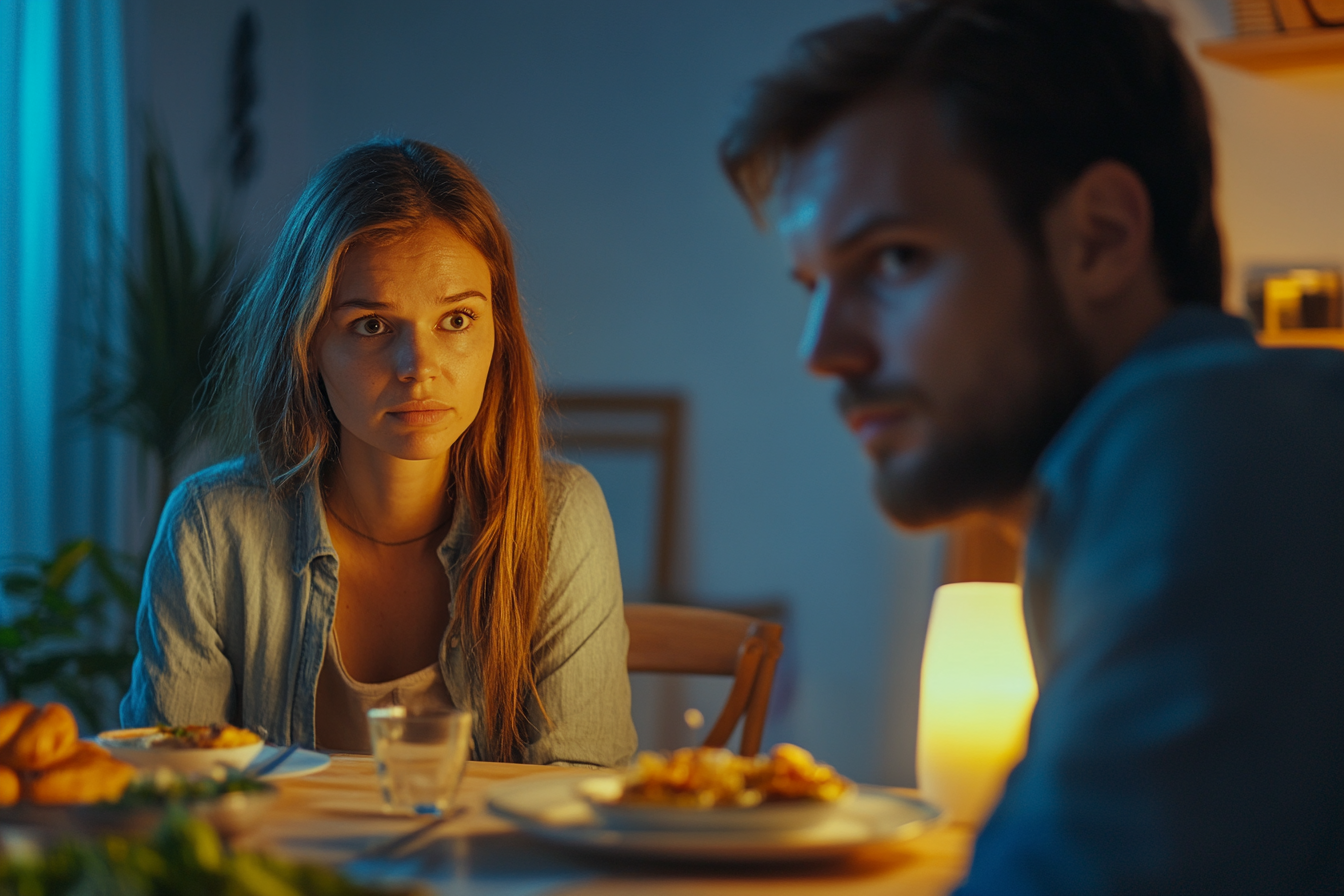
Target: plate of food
{"type": "Point", "coordinates": [586, 812]}
{"type": "Point", "coordinates": [53, 783]}
{"type": "Point", "coordinates": [708, 789]}
{"type": "Point", "coordinates": [185, 749]}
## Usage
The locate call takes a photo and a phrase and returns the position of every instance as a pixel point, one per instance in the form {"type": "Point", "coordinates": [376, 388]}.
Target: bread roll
{"type": "Point", "coordinates": [9, 786]}
{"type": "Point", "coordinates": [90, 775]}
{"type": "Point", "coordinates": [12, 716]}
{"type": "Point", "coordinates": [45, 738]}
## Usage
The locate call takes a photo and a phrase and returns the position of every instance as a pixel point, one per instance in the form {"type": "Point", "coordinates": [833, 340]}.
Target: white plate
{"type": "Point", "coordinates": [600, 792]}
{"type": "Point", "coordinates": [299, 763]}
{"type": "Point", "coordinates": [551, 807]}
{"type": "Point", "coordinates": [133, 745]}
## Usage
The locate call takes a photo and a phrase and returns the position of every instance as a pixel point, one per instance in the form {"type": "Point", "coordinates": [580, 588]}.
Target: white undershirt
{"type": "Point", "coordinates": [342, 704]}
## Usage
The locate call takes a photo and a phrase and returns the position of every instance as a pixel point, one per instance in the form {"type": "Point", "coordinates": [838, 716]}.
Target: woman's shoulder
{"type": "Point", "coordinates": [238, 477]}
{"type": "Point", "coordinates": [233, 489]}
{"type": "Point", "coordinates": [568, 483]}
{"type": "Point", "coordinates": [574, 500]}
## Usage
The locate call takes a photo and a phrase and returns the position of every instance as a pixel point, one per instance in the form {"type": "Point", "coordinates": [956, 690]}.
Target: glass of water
{"type": "Point", "coordinates": [420, 757]}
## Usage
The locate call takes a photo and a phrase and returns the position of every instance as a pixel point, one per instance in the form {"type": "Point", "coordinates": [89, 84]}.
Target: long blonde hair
{"type": "Point", "coordinates": [271, 391]}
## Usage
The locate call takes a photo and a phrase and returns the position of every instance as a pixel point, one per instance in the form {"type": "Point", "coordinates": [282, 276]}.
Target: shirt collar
{"type": "Point", "coordinates": [1184, 327]}
{"type": "Point", "coordinates": [313, 538]}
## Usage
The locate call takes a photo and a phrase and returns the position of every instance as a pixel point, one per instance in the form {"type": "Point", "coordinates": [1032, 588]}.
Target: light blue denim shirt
{"type": "Point", "coordinates": [240, 594]}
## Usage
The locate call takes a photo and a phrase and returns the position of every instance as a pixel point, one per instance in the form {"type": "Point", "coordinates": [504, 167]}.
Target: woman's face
{"type": "Point", "coordinates": [406, 343]}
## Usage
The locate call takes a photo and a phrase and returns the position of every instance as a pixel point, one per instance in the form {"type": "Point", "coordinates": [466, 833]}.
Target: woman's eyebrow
{"type": "Point", "coordinates": [468, 294]}
{"type": "Point", "coordinates": [361, 303]}
{"type": "Point", "coordinates": [358, 302]}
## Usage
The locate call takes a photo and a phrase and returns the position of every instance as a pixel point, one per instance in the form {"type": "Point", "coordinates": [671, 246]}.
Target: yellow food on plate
{"type": "Point", "coordinates": [10, 787]}
{"type": "Point", "coordinates": [45, 738]}
{"type": "Point", "coordinates": [705, 777]}
{"type": "Point", "coordinates": [12, 716]}
{"type": "Point", "coordinates": [205, 737]}
{"type": "Point", "coordinates": [90, 775]}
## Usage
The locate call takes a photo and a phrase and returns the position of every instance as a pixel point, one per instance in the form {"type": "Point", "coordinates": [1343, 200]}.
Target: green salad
{"type": "Point", "coordinates": [165, 787]}
{"type": "Point", "coordinates": [184, 857]}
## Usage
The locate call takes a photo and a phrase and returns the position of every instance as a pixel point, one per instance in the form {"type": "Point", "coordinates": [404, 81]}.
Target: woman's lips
{"type": "Point", "coordinates": [418, 418]}
{"type": "Point", "coordinates": [419, 413]}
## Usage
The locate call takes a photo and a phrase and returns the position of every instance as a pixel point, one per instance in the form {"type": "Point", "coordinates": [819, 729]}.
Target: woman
{"type": "Point", "coordinates": [394, 534]}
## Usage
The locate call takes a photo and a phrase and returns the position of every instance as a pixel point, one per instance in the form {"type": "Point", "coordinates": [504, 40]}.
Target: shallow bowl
{"type": "Point", "coordinates": [136, 746]}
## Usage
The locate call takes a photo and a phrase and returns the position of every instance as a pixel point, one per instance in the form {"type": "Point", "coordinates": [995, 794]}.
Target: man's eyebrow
{"type": "Point", "coordinates": [865, 228]}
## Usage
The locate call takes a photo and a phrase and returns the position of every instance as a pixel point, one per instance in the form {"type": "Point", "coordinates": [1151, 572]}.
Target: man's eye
{"type": "Point", "coordinates": [898, 262]}
{"type": "Point", "coordinates": [458, 320]}
{"type": "Point", "coordinates": [369, 326]}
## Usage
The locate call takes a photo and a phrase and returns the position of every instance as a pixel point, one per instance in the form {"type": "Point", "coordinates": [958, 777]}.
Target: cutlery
{"type": "Point", "coordinates": [400, 847]}
{"type": "Point", "coordinates": [275, 762]}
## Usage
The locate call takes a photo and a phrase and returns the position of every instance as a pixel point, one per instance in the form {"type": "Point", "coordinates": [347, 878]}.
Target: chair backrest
{"type": "Point", "coordinates": [701, 641]}
{"type": "Point", "coordinates": [631, 424]}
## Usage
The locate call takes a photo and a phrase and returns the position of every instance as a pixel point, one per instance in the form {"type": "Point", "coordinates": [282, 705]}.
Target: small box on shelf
{"type": "Point", "coordinates": [1297, 306]}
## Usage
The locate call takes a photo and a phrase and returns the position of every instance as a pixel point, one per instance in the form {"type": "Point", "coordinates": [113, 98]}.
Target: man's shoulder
{"type": "Point", "coordinates": [1221, 397]}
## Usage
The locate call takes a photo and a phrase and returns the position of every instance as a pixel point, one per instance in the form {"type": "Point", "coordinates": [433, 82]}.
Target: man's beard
{"type": "Point", "coordinates": [985, 469]}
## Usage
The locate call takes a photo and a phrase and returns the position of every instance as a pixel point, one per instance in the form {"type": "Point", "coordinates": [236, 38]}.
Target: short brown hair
{"type": "Point", "coordinates": [1036, 91]}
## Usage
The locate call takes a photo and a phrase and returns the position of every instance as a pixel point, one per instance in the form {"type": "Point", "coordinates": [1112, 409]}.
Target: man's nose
{"type": "Point", "coordinates": [415, 355]}
{"type": "Point", "coordinates": [837, 338]}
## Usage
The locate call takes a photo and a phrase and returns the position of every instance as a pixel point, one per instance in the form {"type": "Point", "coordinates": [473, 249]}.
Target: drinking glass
{"type": "Point", "coordinates": [420, 757]}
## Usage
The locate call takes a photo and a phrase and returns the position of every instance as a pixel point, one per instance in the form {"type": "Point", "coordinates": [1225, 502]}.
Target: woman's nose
{"type": "Point", "coordinates": [415, 356]}
{"type": "Point", "coordinates": [837, 336]}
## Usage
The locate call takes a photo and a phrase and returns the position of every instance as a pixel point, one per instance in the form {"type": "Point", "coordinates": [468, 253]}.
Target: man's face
{"type": "Point", "coordinates": [955, 357]}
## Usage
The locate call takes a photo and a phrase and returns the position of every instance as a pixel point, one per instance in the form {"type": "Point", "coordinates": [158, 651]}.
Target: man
{"type": "Point", "coordinates": [1002, 212]}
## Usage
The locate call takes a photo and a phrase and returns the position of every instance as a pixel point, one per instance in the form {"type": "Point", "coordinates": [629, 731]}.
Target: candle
{"type": "Point", "coordinates": [977, 690]}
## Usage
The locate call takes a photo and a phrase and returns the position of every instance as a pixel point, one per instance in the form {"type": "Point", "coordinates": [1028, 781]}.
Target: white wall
{"type": "Point", "coordinates": [594, 123]}
{"type": "Point", "coordinates": [1280, 143]}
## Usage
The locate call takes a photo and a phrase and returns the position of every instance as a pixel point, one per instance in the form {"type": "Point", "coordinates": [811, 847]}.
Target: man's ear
{"type": "Point", "coordinates": [1099, 237]}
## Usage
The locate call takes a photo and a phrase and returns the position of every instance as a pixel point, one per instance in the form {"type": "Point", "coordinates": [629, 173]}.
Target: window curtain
{"type": "Point", "coordinates": [63, 221]}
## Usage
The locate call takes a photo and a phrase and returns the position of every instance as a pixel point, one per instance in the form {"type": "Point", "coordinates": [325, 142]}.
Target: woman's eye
{"type": "Point", "coordinates": [458, 320]}
{"type": "Point", "coordinates": [370, 326]}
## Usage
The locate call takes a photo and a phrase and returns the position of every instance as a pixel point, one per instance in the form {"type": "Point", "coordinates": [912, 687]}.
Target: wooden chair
{"type": "Point", "coordinates": [700, 641]}
{"type": "Point", "coordinates": [633, 423]}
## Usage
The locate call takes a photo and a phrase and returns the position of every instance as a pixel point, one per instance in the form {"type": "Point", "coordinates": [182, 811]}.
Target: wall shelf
{"type": "Point", "coordinates": [1323, 337]}
{"type": "Point", "coordinates": [1280, 52]}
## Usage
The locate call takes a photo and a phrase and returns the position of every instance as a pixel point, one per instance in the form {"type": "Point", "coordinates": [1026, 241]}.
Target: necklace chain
{"type": "Point", "coordinates": [387, 544]}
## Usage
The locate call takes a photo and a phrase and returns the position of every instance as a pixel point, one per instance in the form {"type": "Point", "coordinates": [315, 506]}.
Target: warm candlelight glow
{"type": "Point", "coordinates": [977, 691]}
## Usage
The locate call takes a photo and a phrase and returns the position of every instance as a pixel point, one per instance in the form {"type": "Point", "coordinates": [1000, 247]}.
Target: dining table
{"type": "Point", "coordinates": [335, 817]}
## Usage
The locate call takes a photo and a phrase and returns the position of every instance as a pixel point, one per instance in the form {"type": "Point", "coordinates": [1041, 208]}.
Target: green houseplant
{"type": "Point", "coordinates": [178, 296]}
{"type": "Point", "coordinates": [68, 627]}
